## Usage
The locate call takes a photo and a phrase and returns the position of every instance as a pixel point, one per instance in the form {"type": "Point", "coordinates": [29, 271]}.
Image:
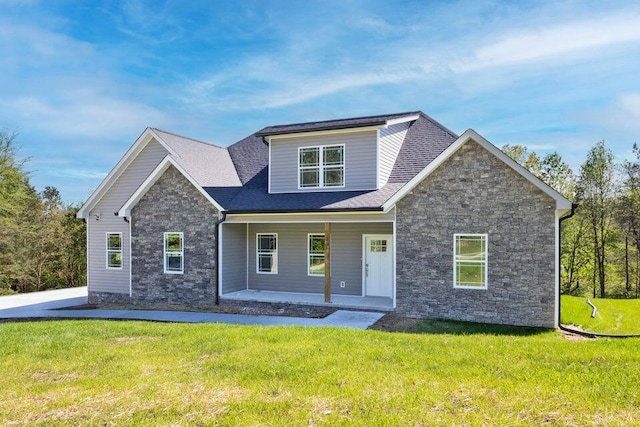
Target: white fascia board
{"type": "Point", "coordinates": [125, 210]}
{"type": "Point", "coordinates": [323, 132]}
{"type": "Point", "coordinates": [403, 119]}
{"type": "Point", "coordinates": [119, 168]}
{"type": "Point", "coordinates": [470, 135]}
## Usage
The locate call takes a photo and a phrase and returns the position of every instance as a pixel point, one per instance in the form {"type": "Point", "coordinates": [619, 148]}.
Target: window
{"type": "Point", "coordinates": [321, 166]}
{"type": "Point", "coordinates": [470, 261]}
{"type": "Point", "coordinates": [114, 250]}
{"type": "Point", "coordinates": [315, 263]}
{"type": "Point", "coordinates": [173, 253]}
{"type": "Point", "coordinates": [267, 253]}
{"type": "Point", "coordinates": [378, 245]}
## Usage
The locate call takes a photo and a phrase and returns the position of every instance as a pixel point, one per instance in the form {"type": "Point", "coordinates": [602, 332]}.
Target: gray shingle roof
{"type": "Point", "coordinates": [332, 124]}
{"type": "Point", "coordinates": [208, 164]}
{"type": "Point", "coordinates": [236, 177]}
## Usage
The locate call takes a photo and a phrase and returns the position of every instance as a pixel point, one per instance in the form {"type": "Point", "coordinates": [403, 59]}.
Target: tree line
{"type": "Point", "coordinates": [600, 253]}
{"type": "Point", "coordinates": [42, 243]}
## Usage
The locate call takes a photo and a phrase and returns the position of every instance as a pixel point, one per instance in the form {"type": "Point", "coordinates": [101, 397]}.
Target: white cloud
{"type": "Point", "coordinates": [566, 40]}
{"type": "Point", "coordinates": [621, 117]}
{"type": "Point", "coordinates": [84, 113]}
{"type": "Point", "coordinates": [77, 173]}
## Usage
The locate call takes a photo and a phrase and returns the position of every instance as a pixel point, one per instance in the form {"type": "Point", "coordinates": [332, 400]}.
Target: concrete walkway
{"type": "Point", "coordinates": [46, 304]}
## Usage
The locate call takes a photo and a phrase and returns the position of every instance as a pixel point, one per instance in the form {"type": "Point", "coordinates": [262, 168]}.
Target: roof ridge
{"type": "Point", "coordinates": [440, 125]}
{"type": "Point", "coordinates": [189, 138]}
{"type": "Point", "coordinates": [406, 113]}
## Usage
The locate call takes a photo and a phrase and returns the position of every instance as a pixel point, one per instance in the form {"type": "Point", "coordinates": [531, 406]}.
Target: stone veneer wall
{"type": "Point", "coordinates": [475, 192]}
{"type": "Point", "coordinates": [173, 204]}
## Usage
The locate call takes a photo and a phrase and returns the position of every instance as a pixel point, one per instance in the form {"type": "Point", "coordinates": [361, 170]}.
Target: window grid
{"type": "Point", "coordinates": [470, 261]}
{"type": "Point", "coordinates": [315, 257]}
{"type": "Point", "coordinates": [378, 245]}
{"type": "Point", "coordinates": [114, 251]}
{"type": "Point", "coordinates": [173, 252]}
{"type": "Point", "coordinates": [321, 166]}
{"type": "Point", "coordinates": [267, 253]}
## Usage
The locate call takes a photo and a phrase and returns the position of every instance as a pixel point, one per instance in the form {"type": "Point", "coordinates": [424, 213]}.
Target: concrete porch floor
{"type": "Point", "coordinates": [342, 301]}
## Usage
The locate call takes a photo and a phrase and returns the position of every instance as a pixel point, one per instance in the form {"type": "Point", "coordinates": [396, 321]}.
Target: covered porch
{"type": "Point", "coordinates": [342, 260]}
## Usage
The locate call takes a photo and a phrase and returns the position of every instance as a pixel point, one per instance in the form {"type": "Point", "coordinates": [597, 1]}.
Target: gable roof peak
{"type": "Point", "coordinates": [183, 137]}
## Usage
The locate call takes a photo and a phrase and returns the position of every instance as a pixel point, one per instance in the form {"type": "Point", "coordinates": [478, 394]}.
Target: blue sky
{"type": "Point", "coordinates": [80, 80]}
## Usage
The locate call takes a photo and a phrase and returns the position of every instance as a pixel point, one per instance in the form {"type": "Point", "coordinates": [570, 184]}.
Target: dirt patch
{"type": "Point", "coordinates": [393, 323]}
{"type": "Point", "coordinates": [574, 336]}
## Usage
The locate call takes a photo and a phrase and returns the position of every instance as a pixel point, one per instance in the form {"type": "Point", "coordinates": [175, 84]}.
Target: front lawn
{"type": "Point", "coordinates": [132, 373]}
{"type": "Point", "coordinates": [614, 316]}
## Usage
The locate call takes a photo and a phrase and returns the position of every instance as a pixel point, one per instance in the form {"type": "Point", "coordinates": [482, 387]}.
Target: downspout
{"type": "Point", "coordinates": [216, 233]}
{"type": "Point", "coordinates": [569, 215]}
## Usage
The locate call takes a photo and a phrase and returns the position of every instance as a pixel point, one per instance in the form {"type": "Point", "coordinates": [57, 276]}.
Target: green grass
{"type": "Point", "coordinates": [142, 373]}
{"type": "Point", "coordinates": [614, 316]}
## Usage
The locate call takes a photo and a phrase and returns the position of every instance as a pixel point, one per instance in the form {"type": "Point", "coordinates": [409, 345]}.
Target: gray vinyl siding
{"type": "Point", "coordinates": [360, 161]}
{"type": "Point", "coordinates": [391, 140]}
{"type": "Point", "coordinates": [100, 278]}
{"type": "Point", "coordinates": [234, 257]}
{"type": "Point", "coordinates": [346, 257]}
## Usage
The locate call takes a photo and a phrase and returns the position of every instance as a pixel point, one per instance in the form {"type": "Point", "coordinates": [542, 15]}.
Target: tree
{"type": "Point", "coordinates": [596, 191]}
{"type": "Point", "coordinates": [42, 244]}
{"type": "Point", "coordinates": [520, 153]}
{"type": "Point", "coordinates": [629, 211]}
{"type": "Point", "coordinates": [557, 174]}
{"type": "Point", "coordinates": [17, 202]}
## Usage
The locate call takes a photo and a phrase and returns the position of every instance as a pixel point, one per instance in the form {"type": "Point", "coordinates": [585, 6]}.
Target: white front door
{"type": "Point", "coordinates": [378, 265]}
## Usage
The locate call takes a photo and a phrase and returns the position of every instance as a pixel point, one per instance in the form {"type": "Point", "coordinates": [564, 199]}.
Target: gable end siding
{"type": "Point", "coordinates": [360, 161]}
{"type": "Point", "coordinates": [391, 140]}
{"type": "Point", "coordinates": [173, 204]}
{"type": "Point", "coordinates": [475, 192]}
{"type": "Point", "coordinates": [100, 279]}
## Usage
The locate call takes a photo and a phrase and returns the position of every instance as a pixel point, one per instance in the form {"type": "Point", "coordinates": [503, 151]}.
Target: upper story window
{"type": "Point", "coordinates": [114, 250]}
{"type": "Point", "coordinates": [321, 166]}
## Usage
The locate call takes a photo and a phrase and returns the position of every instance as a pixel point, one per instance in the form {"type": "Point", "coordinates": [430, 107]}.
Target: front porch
{"type": "Point", "coordinates": [341, 301]}
{"type": "Point", "coordinates": [287, 259]}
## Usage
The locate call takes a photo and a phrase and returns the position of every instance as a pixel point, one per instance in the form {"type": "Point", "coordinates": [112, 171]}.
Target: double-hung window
{"type": "Point", "coordinates": [114, 250]}
{"type": "Point", "coordinates": [321, 166]}
{"type": "Point", "coordinates": [315, 255]}
{"type": "Point", "coordinates": [173, 253]}
{"type": "Point", "coordinates": [267, 253]}
{"type": "Point", "coordinates": [470, 261]}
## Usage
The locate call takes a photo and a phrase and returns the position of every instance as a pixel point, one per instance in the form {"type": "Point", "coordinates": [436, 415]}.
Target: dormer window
{"type": "Point", "coordinates": [321, 166]}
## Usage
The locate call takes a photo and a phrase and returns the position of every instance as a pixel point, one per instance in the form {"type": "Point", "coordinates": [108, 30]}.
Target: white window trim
{"type": "Point", "coordinates": [119, 233]}
{"type": "Point", "coordinates": [274, 253]}
{"type": "Point", "coordinates": [321, 166]}
{"type": "Point", "coordinates": [309, 254]}
{"type": "Point", "coordinates": [165, 252]}
{"type": "Point", "coordinates": [486, 261]}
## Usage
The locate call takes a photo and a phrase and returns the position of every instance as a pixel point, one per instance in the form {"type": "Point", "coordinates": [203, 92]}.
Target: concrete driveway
{"type": "Point", "coordinates": [46, 304]}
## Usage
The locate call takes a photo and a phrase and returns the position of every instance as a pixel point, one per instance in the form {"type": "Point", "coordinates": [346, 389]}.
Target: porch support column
{"type": "Point", "coordinates": [327, 262]}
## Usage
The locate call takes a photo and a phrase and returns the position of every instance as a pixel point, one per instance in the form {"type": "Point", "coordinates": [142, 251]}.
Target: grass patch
{"type": "Point", "coordinates": [142, 373]}
{"type": "Point", "coordinates": [614, 316]}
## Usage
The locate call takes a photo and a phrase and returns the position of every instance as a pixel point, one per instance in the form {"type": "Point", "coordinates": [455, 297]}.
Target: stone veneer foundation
{"type": "Point", "coordinates": [475, 192]}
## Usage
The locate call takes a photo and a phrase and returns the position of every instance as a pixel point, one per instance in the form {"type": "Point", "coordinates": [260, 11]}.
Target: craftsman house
{"type": "Point", "coordinates": [392, 212]}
